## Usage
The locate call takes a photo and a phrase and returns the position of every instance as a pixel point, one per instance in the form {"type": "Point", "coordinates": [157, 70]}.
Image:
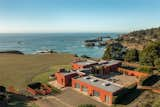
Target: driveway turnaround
{"type": "Point", "coordinates": [68, 98]}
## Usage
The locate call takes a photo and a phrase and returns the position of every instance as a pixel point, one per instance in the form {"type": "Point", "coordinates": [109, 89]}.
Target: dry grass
{"type": "Point", "coordinates": [18, 70]}
{"type": "Point", "coordinates": [44, 77]}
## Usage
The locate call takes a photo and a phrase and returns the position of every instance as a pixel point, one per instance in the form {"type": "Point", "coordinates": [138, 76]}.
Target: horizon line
{"type": "Point", "coordinates": [53, 32]}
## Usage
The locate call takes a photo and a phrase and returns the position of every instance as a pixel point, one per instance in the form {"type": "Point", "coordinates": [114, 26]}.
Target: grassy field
{"type": "Point", "coordinates": [44, 77]}
{"type": "Point", "coordinates": [19, 70]}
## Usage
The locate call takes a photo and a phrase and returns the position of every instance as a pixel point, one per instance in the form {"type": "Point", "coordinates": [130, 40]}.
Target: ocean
{"type": "Point", "coordinates": [61, 42]}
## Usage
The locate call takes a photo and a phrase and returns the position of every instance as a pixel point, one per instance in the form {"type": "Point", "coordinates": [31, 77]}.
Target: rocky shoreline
{"type": "Point", "coordinates": [99, 41]}
{"type": "Point", "coordinates": [138, 39]}
{"type": "Point", "coordinates": [12, 52]}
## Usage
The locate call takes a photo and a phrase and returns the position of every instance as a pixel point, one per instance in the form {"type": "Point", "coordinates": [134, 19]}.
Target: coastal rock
{"type": "Point", "coordinates": [89, 44]}
{"type": "Point", "coordinates": [12, 52]}
{"type": "Point", "coordinates": [102, 44]}
{"type": "Point", "coordinates": [45, 52]}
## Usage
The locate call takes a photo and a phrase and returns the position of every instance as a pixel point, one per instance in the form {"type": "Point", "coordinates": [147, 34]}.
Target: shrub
{"type": "Point", "coordinates": [144, 69]}
{"type": "Point", "coordinates": [156, 103]}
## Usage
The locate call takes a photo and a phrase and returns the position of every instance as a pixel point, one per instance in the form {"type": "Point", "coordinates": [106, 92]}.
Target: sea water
{"type": "Point", "coordinates": [72, 43]}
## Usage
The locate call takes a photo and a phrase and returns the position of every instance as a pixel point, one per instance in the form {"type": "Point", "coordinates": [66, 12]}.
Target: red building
{"type": "Point", "coordinates": [64, 77]}
{"type": "Point", "coordinates": [101, 67]}
{"type": "Point", "coordinates": [83, 64]}
{"type": "Point", "coordinates": [103, 91]}
{"type": "Point", "coordinates": [106, 86]}
{"type": "Point", "coordinates": [105, 67]}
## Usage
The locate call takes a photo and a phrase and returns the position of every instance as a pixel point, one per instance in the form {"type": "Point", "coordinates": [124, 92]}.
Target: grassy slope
{"type": "Point", "coordinates": [18, 70]}
{"type": "Point", "coordinates": [44, 77]}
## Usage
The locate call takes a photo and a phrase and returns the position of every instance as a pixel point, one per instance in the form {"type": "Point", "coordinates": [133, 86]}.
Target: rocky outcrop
{"type": "Point", "coordinates": [11, 52]}
{"type": "Point", "coordinates": [90, 44]}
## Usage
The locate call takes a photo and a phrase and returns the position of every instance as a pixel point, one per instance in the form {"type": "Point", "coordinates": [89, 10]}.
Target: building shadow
{"type": "Point", "coordinates": [151, 80]}
{"type": "Point", "coordinates": [132, 94]}
{"type": "Point", "coordinates": [129, 97]}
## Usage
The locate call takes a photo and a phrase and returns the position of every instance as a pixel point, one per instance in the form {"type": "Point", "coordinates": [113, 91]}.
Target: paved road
{"type": "Point", "coordinates": [68, 98]}
{"type": "Point", "coordinates": [50, 102]}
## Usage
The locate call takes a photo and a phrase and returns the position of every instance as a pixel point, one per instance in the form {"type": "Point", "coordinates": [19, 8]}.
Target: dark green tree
{"type": "Point", "coordinates": [107, 53]}
{"type": "Point", "coordinates": [132, 55]}
{"type": "Point", "coordinates": [150, 53]}
{"type": "Point", "coordinates": [114, 51]}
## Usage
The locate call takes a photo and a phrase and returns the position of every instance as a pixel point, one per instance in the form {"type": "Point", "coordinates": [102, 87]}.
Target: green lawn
{"type": "Point", "coordinates": [19, 70]}
{"type": "Point", "coordinates": [44, 77]}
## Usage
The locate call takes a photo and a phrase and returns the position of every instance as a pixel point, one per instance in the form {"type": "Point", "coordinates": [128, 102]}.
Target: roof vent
{"type": "Point", "coordinates": [87, 78]}
{"type": "Point", "coordinates": [103, 62]}
{"type": "Point", "coordinates": [94, 80]}
{"type": "Point", "coordinates": [106, 84]}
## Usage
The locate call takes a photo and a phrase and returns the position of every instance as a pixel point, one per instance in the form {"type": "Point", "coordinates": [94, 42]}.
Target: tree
{"type": "Point", "coordinates": [114, 51]}
{"type": "Point", "coordinates": [150, 53]}
{"type": "Point", "coordinates": [132, 55]}
{"type": "Point", "coordinates": [157, 63]}
{"type": "Point", "coordinates": [86, 105]}
{"type": "Point", "coordinates": [107, 53]}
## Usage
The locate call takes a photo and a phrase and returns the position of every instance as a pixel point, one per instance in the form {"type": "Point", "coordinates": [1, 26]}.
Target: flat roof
{"type": "Point", "coordinates": [65, 73]}
{"type": "Point", "coordinates": [102, 84]}
{"type": "Point", "coordinates": [119, 78]}
{"type": "Point", "coordinates": [87, 62]}
{"type": "Point", "coordinates": [102, 62]}
{"type": "Point", "coordinates": [109, 63]}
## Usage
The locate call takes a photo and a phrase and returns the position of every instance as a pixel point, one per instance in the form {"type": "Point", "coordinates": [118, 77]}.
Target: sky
{"type": "Point", "coordinates": [35, 16]}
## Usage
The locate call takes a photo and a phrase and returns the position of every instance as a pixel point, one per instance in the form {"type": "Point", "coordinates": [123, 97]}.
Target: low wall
{"type": "Point", "coordinates": [133, 73]}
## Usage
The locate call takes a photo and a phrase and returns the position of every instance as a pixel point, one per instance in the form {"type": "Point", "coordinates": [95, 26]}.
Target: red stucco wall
{"type": "Point", "coordinates": [133, 73]}
{"type": "Point", "coordinates": [60, 78]}
{"type": "Point", "coordinates": [90, 88]}
{"type": "Point", "coordinates": [64, 80]}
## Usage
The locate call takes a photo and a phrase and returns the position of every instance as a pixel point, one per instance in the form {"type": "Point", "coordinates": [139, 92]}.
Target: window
{"type": "Point", "coordinates": [96, 93]}
{"type": "Point", "coordinates": [77, 85]}
{"type": "Point", "coordinates": [84, 89]}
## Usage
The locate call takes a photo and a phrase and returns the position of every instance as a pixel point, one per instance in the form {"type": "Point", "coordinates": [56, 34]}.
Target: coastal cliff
{"type": "Point", "coordinates": [138, 39]}
{"type": "Point", "coordinates": [138, 46]}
